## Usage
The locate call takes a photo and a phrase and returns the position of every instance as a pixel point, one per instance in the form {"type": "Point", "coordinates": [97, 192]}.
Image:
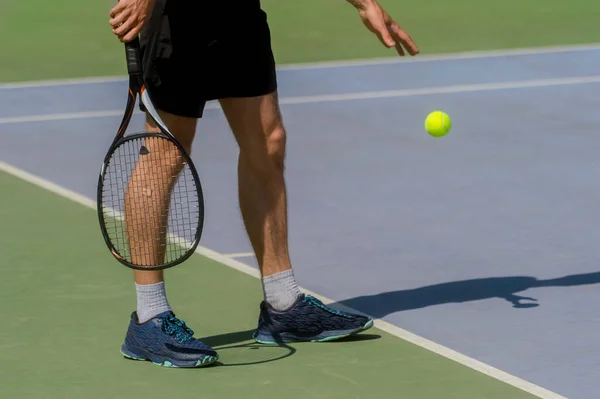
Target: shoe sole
{"type": "Point", "coordinates": [270, 339]}
{"type": "Point", "coordinates": [207, 361]}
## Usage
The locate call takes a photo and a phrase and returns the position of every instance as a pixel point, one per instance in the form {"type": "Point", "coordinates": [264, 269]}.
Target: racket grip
{"type": "Point", "coordinates": [133, 54]}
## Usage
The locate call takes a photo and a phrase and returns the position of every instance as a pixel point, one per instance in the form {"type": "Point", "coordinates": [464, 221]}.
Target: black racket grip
{"type": "Point", "coordinates": [134, 57]}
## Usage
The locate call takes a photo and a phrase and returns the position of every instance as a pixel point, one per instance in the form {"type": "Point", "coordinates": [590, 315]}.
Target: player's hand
{"type": "Point", "coordinates": [128, 17]}
{"type": "Point", "coordinates": [377, 20]}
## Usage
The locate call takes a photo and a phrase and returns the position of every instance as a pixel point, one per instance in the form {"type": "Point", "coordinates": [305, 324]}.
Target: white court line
{"type": "Point", "coordinates": [368, 95]}
{"type": "Point", "coordinates": [62, 82]}
{"type": "Point", "coordinates": [63, 116]}
{"type": "Point", "coordinates": [240, 255]}
{"type": "Point", "coordinates": [466, 55]}
{"type": "Point", "coordinates": [340, 64]}
{"type": "Point", "coordinates": [381, 324]}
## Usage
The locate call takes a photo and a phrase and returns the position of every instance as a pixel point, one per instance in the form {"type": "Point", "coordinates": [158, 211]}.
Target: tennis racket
{"type": "Point", "coordinates": [150, 201]}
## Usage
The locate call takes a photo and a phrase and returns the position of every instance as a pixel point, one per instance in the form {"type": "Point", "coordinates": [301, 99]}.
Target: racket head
{"type": "Point", "coordinates": [143, 175]}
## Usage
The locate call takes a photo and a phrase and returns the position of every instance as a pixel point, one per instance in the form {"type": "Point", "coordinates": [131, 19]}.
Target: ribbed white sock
{"type": "Point", "coordinates": [281, 290]}
{"type": "Point", "coordinates": [151, 300]}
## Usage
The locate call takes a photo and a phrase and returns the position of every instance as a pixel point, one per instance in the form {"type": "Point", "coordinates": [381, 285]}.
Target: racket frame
{"type": "Point", "coordinates": [137, 88]}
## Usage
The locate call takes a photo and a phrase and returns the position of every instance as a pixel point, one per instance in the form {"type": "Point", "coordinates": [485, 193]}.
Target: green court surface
{"type": "Point", "coordinates": [66, 303]}
{"type": "Point", "coordinates": [62, 39]}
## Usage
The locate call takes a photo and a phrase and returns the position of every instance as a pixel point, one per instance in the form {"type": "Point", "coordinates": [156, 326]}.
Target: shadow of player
{"type": "Point", "coordinates": [507, 288]}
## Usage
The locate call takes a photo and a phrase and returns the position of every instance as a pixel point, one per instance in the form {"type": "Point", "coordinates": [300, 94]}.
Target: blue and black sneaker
{"type": "Point", "coordinates": [308, 320]}
{"type": "Point", "coordinates": [166, 341]}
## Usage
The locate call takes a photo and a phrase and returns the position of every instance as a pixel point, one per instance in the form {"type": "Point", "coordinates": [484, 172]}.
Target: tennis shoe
{"type": "Point", "coordinates": [307, 320]}
{"type": "Point", "coordinates": [166, 341]}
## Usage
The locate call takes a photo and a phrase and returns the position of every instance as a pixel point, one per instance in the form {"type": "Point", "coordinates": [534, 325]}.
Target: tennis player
{"type": "Point", "coordinates": [195, 51]}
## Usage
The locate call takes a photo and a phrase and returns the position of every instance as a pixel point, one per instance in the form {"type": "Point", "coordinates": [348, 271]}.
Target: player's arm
{"type": "Point", "coordinates": [128, 18]}
{"type": "Point", "coordinates": [377, 20]}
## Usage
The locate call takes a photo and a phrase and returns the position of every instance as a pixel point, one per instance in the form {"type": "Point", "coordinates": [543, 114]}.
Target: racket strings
{"type": "Point", "coordinates": [150, 202]}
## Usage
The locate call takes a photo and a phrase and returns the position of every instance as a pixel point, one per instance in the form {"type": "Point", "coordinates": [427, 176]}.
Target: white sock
{"type": "Point", "coordinates": [151, 301]}
{"type": "Point", "coordinates": [281, 290]}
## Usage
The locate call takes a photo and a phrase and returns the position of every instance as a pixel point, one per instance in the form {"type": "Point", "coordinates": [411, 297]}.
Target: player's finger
{"type": "Point", "coordinates": [125, 28]}
{"type": "Point", "coordinates": [117, 9]}
{"type": "Point", "coordinates": [386, 38]}
{"type": "Point", "coordinates": [398, 44]}
{"type": "Point", "coordinates": [383, 34]}
{"type": "Point", "coordinates": [403, 38]}
{"type": "Point", "coordinates": [119, 19]}
{"type": "Point", "coordinates": [408, 43]}
{"type": "Point", "coordinates": [375, 24]}
{"type": "Point", "coordinates": [400, 50]}
{"type": "Point", "coordinates": [132, 34]}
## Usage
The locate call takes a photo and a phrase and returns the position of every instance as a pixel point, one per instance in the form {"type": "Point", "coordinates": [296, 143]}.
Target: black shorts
{"type": "Point", "coordinates": [193, 54]}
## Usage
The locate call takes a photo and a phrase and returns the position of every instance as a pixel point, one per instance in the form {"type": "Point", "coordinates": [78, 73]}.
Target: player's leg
{"type": "Point", "coordinates": [246, 87]}
{"type": "Point", "coordinates": [145, 209]}
{"type": "Point", "coordinates": [287, 315]}
{"type": "Point", "coordinates": [154, 332]}
{"type": "Point", "coordinates": [261, 137]}
{"type": "Point", "coordinates": [252, 111]}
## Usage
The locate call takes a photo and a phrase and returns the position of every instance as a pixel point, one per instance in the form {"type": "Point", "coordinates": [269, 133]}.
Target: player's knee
{"type": "Point", "coordinates": [276, 147]}
{"type": "Point", "coordinates": [267, 157]}
{"type": "Point", "coordinates": [162, 157]}
{"type": "Point", "coordinates": [184, 128]}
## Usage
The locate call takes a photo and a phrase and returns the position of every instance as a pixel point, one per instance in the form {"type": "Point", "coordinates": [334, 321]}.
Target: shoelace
{"type": "Point", "coordinates": [176, 328]}
{"type": "Point", "coordinates": [321, 305]}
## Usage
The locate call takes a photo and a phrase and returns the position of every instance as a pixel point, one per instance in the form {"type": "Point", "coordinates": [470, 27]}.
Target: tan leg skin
{"type": "Point", "coordinates": [143, 207]}
{"type": "Point", "coordinates": [258, 128]}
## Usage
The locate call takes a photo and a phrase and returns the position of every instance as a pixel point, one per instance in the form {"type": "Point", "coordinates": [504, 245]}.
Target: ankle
{"type": "Point", "coordinates": [281, 290]}
{"type": "Point", "coordinates": [151, 300]}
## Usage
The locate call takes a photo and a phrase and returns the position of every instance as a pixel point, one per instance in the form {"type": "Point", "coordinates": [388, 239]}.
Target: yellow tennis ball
{"type": "Point", "coordinates": [438, 124]}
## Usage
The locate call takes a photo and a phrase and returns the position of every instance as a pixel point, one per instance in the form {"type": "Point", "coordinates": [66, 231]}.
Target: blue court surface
{"type": "Point", "coordinates": [486, 241]}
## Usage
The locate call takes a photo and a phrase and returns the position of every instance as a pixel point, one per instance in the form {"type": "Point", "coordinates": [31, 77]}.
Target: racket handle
{"type": "Point", "coordinates": [133, 54]}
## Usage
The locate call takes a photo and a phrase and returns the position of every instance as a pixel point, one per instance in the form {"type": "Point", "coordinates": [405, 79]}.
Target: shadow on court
{"type": "Point", "coordinates": [507, 288]}
{"type": "Point", "coordinates": [239, 349]}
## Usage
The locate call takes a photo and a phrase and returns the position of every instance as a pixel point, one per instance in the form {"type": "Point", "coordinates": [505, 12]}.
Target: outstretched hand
{"type": "Point", "coordinates": [378, 21]}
